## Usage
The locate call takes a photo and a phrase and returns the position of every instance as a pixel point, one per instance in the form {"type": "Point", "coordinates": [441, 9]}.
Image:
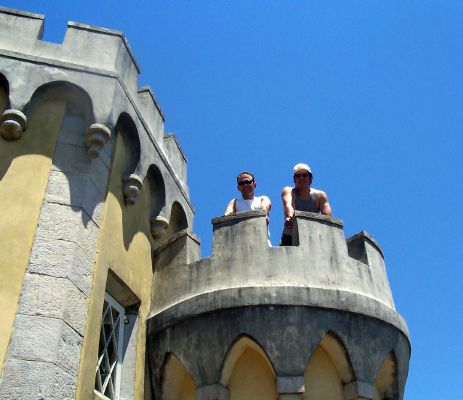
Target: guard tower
{"type": "Point", "coordinates": [312, 321]}
{"type": "Point", "coordinates": [103, 294]}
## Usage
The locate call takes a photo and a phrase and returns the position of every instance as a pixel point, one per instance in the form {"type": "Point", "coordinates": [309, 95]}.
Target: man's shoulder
{"type": "Point", "coordinates": [317, 192]}
{"type": "Point", "coordinates": [287, 189]}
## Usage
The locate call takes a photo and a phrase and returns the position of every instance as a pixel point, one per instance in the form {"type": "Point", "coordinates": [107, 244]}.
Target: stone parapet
{"type": "Point", "coordinates": [244, 271]}
{"type": "Point", "coordinates": [83, 45]}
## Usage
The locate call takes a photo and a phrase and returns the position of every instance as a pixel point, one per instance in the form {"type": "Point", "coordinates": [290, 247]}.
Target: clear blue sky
{"type": "Point", "coordinates": [370, 94]}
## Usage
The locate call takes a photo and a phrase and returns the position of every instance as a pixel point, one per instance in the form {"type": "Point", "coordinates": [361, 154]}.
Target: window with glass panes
{"type": "Point", "coordinates": [108, 368]}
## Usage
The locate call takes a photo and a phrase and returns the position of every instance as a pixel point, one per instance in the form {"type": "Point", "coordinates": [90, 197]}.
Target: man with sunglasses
{"type": "Point", "coordinates": [302, 198]}
{"type": "Point", "coordinates": [248, 202]}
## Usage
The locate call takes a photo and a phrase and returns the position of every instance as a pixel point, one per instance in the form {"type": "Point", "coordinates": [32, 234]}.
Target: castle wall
{"type": "Point", "coordinates": [24, 170]}
{"type": "Point", "coordinates": [289, 300]}
{"type": "Point", "coordinates": [88, 189]}
{"type": "Point", "coordinates": [124, 250]}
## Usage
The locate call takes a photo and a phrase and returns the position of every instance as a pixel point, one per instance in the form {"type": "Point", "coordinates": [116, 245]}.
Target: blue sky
{"type": "Point", "coordinates": [370, 94]}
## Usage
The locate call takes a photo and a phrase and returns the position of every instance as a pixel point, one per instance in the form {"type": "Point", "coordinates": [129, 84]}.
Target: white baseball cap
{"type": "Point", "coordinates": [300, 166]}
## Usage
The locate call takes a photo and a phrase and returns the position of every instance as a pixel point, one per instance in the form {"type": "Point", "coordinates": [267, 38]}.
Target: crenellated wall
{"type": "Point", "coordinates": [96, 208]}
{"type": "Point", "coordinates": [318, 272]}
{"type": "Point", "coordinates": [286, 299]}
{"type": "Point", "coordinates": [88, 189]}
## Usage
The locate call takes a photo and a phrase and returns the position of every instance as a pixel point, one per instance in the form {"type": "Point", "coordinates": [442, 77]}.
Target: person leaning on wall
{"type": "Point", "coordinates": [301, 197]}
{"type": "Point", "coordinates": [248, 202]}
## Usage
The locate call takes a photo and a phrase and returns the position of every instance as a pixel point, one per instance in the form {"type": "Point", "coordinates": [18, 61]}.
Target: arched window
{"type": "Point", "coordinates": [386, 382]}
{"type": "Point", "coordinates": [248, 372]}
{"type": "Point", "coordinates": [177, 382]}
{"type": "Point", "coordinates": [327, 371]}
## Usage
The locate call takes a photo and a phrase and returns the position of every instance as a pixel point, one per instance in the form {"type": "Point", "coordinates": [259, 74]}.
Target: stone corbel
{"type": "Point", "coordinates": [96, 137]}
{"type": "Point", "coordinates": [132, 185]}
{"type": "Point", "coordinates": [12, 124]}
{"type": "Point", "coordinates": [290, 387]}
{"type": "Point", "coordinates": [159, 226]}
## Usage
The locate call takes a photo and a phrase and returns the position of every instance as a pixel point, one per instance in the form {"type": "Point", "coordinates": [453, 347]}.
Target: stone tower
{"type": "Point", "coordinates": [103, 293]}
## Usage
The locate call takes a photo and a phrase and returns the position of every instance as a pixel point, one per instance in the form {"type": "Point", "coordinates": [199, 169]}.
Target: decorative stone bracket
{"type": "Point", "coordinates": [12, 124]}
{"type": "Point", "coordinates": [96, 137]}
{"type": "Point", "coordinates": [132, 185]}
{"type": "Point", "coordinates": [159, 226]}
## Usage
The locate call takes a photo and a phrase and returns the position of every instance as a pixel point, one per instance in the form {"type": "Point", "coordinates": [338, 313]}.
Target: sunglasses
{"type": "Point", "coordinates": [245, 182]}
{"type": "Point", "coordinates": [303, 175]}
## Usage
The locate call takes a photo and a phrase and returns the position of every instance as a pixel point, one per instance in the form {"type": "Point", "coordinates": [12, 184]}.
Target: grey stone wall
{"type": "Point", "coordinates": [95, 73]}
{"type": "Point", "coordinates": [284, 298]}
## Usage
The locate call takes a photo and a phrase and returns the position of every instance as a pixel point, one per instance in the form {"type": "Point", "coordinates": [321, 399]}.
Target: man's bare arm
{"type": "Point", "coordinates": [265, 204]}
{"type": "Point", "coordinates": [288, 209]}
{"type": "Point", "coordinates": [323, 204]}
{"type": "Point", "coordinates": [230, 208]}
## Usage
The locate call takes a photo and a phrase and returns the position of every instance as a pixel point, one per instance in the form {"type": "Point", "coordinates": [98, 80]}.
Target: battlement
{"type": "Point", "coordinates": [323, 270]}
{"type": "Point", "coordinates": [87, 47]}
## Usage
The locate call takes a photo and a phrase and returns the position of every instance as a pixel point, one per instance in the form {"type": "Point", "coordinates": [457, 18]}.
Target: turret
{"type": "Point", "coordinates": [286, 303]}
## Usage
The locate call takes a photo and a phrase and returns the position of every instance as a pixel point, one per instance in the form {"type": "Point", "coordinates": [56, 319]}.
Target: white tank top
{"type": "Point", "coordinates": [248, 205]}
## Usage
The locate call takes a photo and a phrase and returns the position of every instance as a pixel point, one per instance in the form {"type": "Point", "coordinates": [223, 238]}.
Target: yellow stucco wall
{"type": "Point", "coordinates": [321, 379]}
{"type": "Point", "coordinates": [125, 248]}
{"type": "Point", "coordinates": [252, 378]}
{"type": "Point", "coordinates": [178, 384]}
{"type": "Point", "coordinates": [384, 383]}
{"type": "Point", "coordinates": [24, 169]}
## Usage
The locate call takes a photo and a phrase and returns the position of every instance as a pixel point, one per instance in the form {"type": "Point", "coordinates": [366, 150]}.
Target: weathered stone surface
{"type": "Point", "coordinates": [62, 259]}
{"type": "Point", "coordinates": [55, 298]}
{"type": "Point", "coordinates": [211, 392]}
{"type": "Point", "coordinates": [77, 191]}
{"type": "Point", "coordinates": [359, 390]}
{"type": "Point", "coordinates": [65, 223]}
{"type": "Point", "coordinates": [73, 159]}
{"type": "Point", "coordinates": [45, 381]}
{"type": "Point", "coordinates": [290, 384]}
{"type": "Point", "coordinates": [46, 340]}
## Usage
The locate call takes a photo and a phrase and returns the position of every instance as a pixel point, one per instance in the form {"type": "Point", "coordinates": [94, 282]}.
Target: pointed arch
{"type": "Point", "coordinates": [328, 369]}
{"type": "Point", "coordinates": [177, 383]}
{"type": "Point", "coordinates": [248, 372]}
{"type": "Point", "coordinates": [386, 380]}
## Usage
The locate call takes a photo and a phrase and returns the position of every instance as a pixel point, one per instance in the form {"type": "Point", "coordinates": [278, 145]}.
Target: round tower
{"type": "Point", "coordinates": [311, 321]}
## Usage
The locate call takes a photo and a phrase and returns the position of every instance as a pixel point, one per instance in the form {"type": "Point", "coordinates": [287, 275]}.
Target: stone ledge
{"type": "Point", "coordinates": [238, 217]}
{"type": "Point", "coordinates": [329, 299]}
{"type": "Point", "coordinates": [175, 237]}
{"type": "Point", "coordinates": [319, 217]}
{"type": "Point", "coordinates": [19, 13]}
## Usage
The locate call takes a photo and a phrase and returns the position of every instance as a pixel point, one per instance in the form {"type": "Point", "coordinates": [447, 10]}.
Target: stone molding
{"type": "Point", "coordinates": [96, 137]}
{"type": "Point", "coordinates": [359, 390]}
{"type": "Point", "coordinates": [290, 385]}
{"type": "Point", "coordinates": [12, 124]}
{"type": "Point", "coordinates": [159, 225]}
{"type": "Point", "coordinates": [132, 185]}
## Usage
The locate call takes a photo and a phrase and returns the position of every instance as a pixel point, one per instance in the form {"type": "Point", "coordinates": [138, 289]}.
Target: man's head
{"type": "Point", "coordinates": [302, 175]}
{"type": "Point", "coordinates": [246, 184]}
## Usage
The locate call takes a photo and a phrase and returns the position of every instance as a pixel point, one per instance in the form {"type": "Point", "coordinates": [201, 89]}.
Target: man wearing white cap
{"type": "Point", "coordinates": [303, 198]}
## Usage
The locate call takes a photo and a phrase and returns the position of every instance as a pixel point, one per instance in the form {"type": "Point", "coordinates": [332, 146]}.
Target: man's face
{"type": "Point", "coordinates": [246, 186]}
{"type": "Point", "coordinates": [302, 179]}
